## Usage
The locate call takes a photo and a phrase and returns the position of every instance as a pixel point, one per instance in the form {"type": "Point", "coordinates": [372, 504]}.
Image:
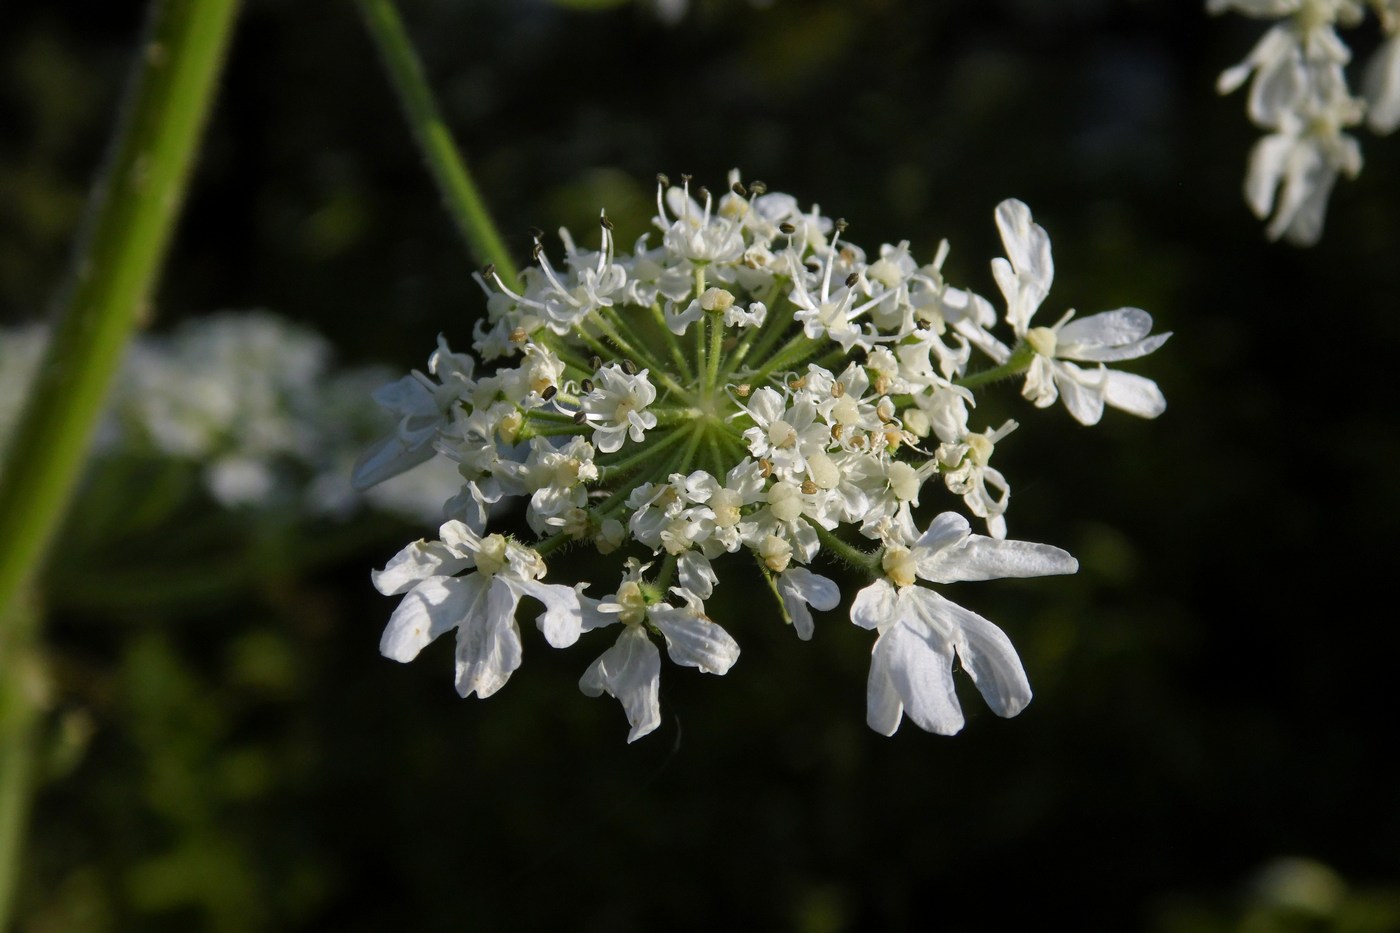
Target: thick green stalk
{"type": "Point", "coordinates": [459, 192]}
{"type": "Point", "coordinates": [132, 215]}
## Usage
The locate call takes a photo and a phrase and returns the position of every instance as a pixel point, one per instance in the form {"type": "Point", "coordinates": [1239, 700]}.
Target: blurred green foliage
{"type": "Point", "coordinates": [228, 752]}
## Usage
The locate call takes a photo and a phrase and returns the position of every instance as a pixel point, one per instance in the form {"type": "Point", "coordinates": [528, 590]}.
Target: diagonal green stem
{"type": "Point", "coordinates": [131, 218]}
{"type": "Point", "coordinates": [459, 192]}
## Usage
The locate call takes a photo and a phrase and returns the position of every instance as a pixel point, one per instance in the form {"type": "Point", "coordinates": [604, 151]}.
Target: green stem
{"type": "Point", "coordinates": [635, 354]}
{"type": "Point", "coordinates": [867, 561]}
{"type": "Point", "coordinates": [459, 192]}
{"type": "Point", "coordinates": [131, 218]}
{"type": "Point", "coordinates": [797, 350]}
{"type": "Point", "coordinates": [648, 452]}
{"type": "Point", "coordinates": [1020, 361]}
{"type": "Point", "coordinates": [663, 579]}
{"type": "Point", "coordinates": [761, 338]}
{"type": "Point", "coordinates": [673, 345]}
{"type": "Point", "coordinates": [716, 326]}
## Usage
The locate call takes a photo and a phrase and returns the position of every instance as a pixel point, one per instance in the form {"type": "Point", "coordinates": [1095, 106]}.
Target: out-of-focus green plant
{"type": "Point", "coordinates": [133, 211]}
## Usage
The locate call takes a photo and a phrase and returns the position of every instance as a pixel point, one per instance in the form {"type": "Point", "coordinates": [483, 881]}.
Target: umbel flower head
{"type": "Point", "coordinates": [755, 389]}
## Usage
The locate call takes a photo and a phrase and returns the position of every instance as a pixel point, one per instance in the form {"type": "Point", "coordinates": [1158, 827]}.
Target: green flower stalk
{"type": "Point", "coordinates": [133, 212]}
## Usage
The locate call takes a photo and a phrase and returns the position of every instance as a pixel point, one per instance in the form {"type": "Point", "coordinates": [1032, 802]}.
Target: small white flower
{"type": "Point", "coordinates": [1024, 278]}
{"type": "Point", "coordinates": [617, 407]}
{"type": "Point", "coordinates": [480, 606]}
{"type": "Point", "coordinates": [422, 407]}
{"type": "Point", "coordinates": [630, 670]}
{"type": "Point", "coordinates": [921, 633]}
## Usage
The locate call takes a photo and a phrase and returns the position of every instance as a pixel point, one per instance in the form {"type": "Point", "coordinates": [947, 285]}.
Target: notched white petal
{"type": "Point", "coordinates": [488, 643]}
{"type": "Point", "coordinates": [799, 588]}
{"type": "Point", "coordinates": [693, 641]}
{"type": "Point", "coordinates": [921, 669]}
{"type": "Point", "coordinates": [630, 671]}
{"type": "Point", "coordinates": [993, 664]}
{"type": "Point", "coordinates": [417, 562]}
{"type": "Point", "coordinates": [434, 606]}
{"type": "Point", "coordinates": [562, 620]}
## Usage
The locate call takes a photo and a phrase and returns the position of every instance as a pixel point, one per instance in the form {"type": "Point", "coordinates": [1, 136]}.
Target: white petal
{"type": "Point", "coordinates": [562, 621]}
{"type": "Point", "coordinates": [695, 642]}
{"type": "Point", "coordinates": [948, 529]}
{"type": "Point", "coordinates": [436, 605]}
{"type": "Point", "coordinates": [799, 588]}
{"type": "Point", "coordinates": [1027, 244]}
{"type": "Point", "coordinates": [1109, 336]}
{"type": "Point", "coordinates": [387, 458]}
{"type": "Point", "coordinates": [1137, 395]}
{"type": "Point", "coordinates": [1382, 87]}
{"type": "Point", "coordinates": [630, 671]}
{"type": "Point", "coordinates": [592, 617]}
{"type": "Point", "coordinates": [488, 642]}
{"type": "Point", "coordinates": [921, 668]}
{"type": "Point", "coordinates": [695, 574]}
{"type": "Point", "coordinates": [991, 661]}
{"type": "Point", "coordinates": [1082, 391]}
{"type": "Point", "coordinates": [883, 709]}
{"type": "Point", "coordinates": [1267, 161]}
{"type": "Point", "coordinates": [417, 562]}
{"type": "Point", "coordinates": [874, 607]}
{"type": "Point", "coordinates": [983, 558]}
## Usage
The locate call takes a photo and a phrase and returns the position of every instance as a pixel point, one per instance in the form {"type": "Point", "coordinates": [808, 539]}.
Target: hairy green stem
{"type": "Point", "coordinates": [1020, 361]}
{"type": "Point", "coordinates": [867, 561]}
{"type": "Point", "coordinates": [131, 216]}
{"type": "Point", "coordinates": [459, 192]}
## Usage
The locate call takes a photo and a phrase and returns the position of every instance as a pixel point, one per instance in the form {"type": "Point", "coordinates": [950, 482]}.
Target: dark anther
{"type": "Point", "coordinates": [607, 224]}
{"type": "Point", "coordinates": [587, 385]}
{"type": "Point", "coordinates": [536, 233]}
{"type": "Point", "coordinates": [662, 180]}
{"type": "Point", "coordinates": [596, 362]}
{"type": "Point", "coordinates": [629, 367]}
{"type": "Point", "coordinates": [852, 279]}
{"type": "Point", "coordinates": [757, 187]}
{"type": "Point", "coordinates": [536, 251]}
{"type": "Point", "coordinates": [702, 193]}
{"type": "Point", "coordinates": [490, 270]}
{"type": "Point", "coordinates": [841, 225]}
{"type": "Point", "coordinates": [787, 228]}
{"type": "Point", "coordinates": [739, 189]}
{"type": "Point", "coordinates": [549, 392]}
{"type": "Point", "coordinates": [580, 418]}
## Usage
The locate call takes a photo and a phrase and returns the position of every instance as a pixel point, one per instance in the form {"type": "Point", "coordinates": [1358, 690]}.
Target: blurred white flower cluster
{"type": "Point", "coordinates": [753, 390]}
{"type": "Point", "coordinates": [253, 400]}
{"type": "Point", "coordinates": [1298, 94]}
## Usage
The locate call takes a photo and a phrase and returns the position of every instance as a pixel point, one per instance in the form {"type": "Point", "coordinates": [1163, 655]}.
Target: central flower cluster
{"type": "Point", "coordinates": [754, 385]}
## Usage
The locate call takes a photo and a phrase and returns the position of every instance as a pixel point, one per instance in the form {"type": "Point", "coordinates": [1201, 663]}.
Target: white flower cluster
{"type": "Point", "coordinates": [755, 385]}
{"type": "Point", "coordinates": [1299, 94]}
{"type": "Point", "coordinates": [253, 400]}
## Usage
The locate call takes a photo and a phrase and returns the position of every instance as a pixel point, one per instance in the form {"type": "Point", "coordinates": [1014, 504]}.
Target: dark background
{"type": "Point", "coordinates": [1214, 690]}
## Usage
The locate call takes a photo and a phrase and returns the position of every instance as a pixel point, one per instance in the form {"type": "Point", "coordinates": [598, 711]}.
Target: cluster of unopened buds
{"type": "Point", "coordinates": [753, 389]}
{"type": "Point", "coordinates": [1299, 94]}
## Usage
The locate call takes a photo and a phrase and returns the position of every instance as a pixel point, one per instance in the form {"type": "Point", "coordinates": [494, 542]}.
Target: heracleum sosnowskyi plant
{"type": "Point", "coordinates": [753, 387]}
